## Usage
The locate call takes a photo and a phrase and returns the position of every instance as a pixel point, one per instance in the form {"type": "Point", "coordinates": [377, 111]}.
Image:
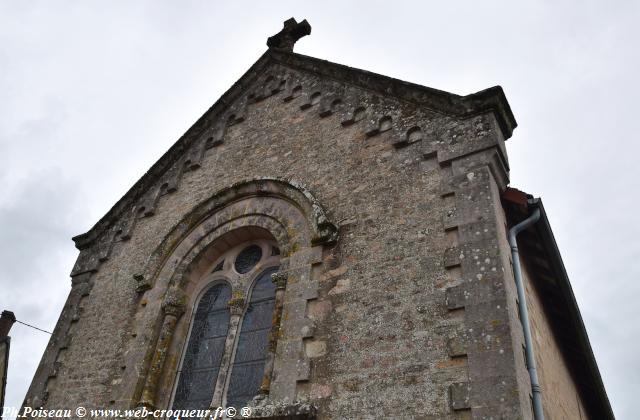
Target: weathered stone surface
{"type": "Point", "coordinates": [384, 200]}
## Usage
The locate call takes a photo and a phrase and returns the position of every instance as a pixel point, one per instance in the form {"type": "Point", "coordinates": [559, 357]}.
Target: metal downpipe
{"type": "Point", "coordinates": [536, 391]}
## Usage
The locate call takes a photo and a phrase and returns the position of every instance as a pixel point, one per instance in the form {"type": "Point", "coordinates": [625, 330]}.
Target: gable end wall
{"type": "Point", "coordinates": [412, 308]}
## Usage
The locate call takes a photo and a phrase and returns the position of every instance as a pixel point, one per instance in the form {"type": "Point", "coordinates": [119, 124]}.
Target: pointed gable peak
{"type": "Point", "coordinates": [316, 87]}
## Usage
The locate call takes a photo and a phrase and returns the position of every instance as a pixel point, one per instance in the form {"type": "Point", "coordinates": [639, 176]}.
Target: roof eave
{"type": "Point", "coordinates": [547, 240]}
{"type": "Point", "coordinates": [490, 100]}
{"type": "Point", "coordinates": [544, 230]}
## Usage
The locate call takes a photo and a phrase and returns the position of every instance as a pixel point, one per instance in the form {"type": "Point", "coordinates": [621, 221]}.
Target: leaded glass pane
{"type": "Point", "coordinates": [252, 346]}
{"type": "Point", "coordinates": [258, 315]}
{"type": "Point", "coordinates": [251, 354]}
{"type": "Point", "coordinates": [248, 258]}
{"type": "Point", "coordinates": [246, 385]}
{"type": "Point", "coordinates": [199, 371]}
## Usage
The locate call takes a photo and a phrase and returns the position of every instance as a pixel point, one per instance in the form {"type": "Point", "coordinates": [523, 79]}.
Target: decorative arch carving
{"type": "Point", "coordinates": [226, 212]}
{"type": "Point", "coordinates": [276, 208]}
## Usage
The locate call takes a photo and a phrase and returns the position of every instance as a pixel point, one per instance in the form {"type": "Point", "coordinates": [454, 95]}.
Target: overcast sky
{"type": "Point", "coordinates": [93, 93]}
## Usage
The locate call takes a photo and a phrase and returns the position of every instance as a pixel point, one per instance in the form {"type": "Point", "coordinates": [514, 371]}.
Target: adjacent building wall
{"type": "Point", "coordinates": [560, 395]}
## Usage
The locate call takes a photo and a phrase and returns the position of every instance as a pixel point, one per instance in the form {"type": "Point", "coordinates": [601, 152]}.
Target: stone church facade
{"type": "Point", "coordinates": [329, 243]}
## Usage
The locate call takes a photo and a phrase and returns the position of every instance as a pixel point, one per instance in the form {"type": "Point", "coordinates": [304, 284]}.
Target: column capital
{"type": "Point", "coordinates": [279, 279]}
{"type": "Point", "coordinates": [236, 303]}
{"type": "Point", "coordinates": [174, 302]}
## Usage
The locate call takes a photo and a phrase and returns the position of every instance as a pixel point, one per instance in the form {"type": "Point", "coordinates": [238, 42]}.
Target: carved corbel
{"type": "Point", "coordinates": [171, 178]}
{"type": "Point", "coordinates": [311, 98]}
{"type": "Point", "coordinates": [293, 88]}
{"type": "Point", "coordinates": [216, 134]}
{"type": "Point", "coordinates": [87, 262]}
{"type": "Point", "coordinates": [147, 205]}
{"type": "Point", "coordinates": [350, 117]}
{"type": "Point", "coordinates": [330, 104]}
{"type": "Point", "coordinates": [239, 111]}
{"type": "Point", "coordinates": [124, 226]}
{"type": "Point", "coordinates": [195, 153]}
{"type": "Point", "coordinates": [271, 85]}
{"type": "Point", "coordinates": [378, 124]}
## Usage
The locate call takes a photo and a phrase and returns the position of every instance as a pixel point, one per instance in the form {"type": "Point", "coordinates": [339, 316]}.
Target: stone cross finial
{"type": "Point", "coordinates": [289, 35]}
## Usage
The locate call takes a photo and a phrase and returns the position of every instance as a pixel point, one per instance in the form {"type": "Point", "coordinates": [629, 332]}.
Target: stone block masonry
{"type": "Point", "coordinates": [384, 198]}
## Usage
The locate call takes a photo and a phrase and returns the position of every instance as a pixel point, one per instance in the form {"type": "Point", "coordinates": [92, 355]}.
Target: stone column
{"type": "Point", "coordinates": [280, 280]}
{"type": "Point", "coordinates": [236, 308]}
{"type": "Point", "coordinates": [172, 307]}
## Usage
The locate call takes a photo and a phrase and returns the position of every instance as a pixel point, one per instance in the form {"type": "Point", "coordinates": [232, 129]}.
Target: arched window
{"type": "Point", "coordinates": [201, 363]}
{"type": "Point", "coordinates": [251, 353]}
{"type": "Point", "coordinates": [206, 377]}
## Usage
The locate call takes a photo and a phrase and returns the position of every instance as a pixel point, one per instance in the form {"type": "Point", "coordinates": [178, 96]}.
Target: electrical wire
{"type": "Point", "coordinates": [31, 326]}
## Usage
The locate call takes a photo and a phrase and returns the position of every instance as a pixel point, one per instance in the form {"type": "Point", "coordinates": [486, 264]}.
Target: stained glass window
{"type": "Point", "coordinates": [251, 353]}
{"type": "Point", "coordinates": [248, 258]}
{"type": "Point", "coordinates": [201, 363]}
{"type": "Point", "coordinates": [210, 330]}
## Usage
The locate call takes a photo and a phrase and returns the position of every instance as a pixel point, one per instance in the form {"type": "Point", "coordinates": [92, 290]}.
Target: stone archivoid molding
{"type": "Point", "coordinates": [320, 229]}
{"type": "Point", "coordinates": [284, 208]}
{"type": "Point", "coordinates": [297, 222]}
{"type": "Point", "coordinates": [350, 94]}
